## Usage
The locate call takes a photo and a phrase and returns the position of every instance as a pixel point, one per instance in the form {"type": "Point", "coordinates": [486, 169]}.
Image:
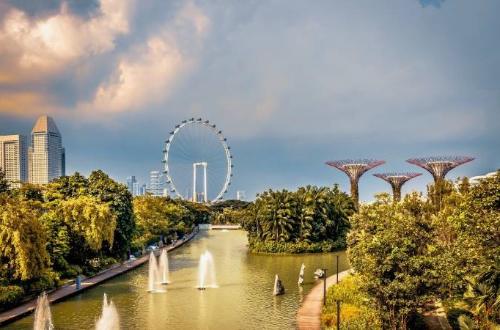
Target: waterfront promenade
{"type": "Point", "coordinates": [69, 290]}
{"type": "Point", "coordinates": [309, 314]}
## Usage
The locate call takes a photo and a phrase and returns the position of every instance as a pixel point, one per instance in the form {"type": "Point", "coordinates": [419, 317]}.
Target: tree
{"type": "Point", "coordinates": [4, 184]}
{"type": "Point", "coordinates": [388, 248]}
{"type": "Point", "coordinates": [22, 240]}
{"type": "Point", "coordinates": [156, 217]}
{"type": "Point", "coordinates": [483, 296]}
{"type": "Point", "coordinates": [90, 218]}
{"type": "Point", "coordinates": [119, 199]}
{"type": "Point", "coordinates": [468, 239]}
{"type": "Point", "coordinates": [278, 215]}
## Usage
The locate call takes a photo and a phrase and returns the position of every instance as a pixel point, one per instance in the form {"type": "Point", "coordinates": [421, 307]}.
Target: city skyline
{"type": "Point", "coordinates": [387, 81]}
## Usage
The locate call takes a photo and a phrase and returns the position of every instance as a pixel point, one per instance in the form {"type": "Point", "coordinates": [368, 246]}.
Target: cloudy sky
{"type": "Point", "coordinates": [291, 83]}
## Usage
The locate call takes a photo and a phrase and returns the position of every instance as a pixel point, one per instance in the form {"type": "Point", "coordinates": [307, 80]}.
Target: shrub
{"type": "Point", "coordinates": [256, 245]}
{"type": "Point", "coordinates": [356, 311]}
{"type": "Point", "coordinates": [10, 295]}
{"type": "Point", "coordinates": [453, 315]}
{"type": "Point", "coordinates": [47, 281]}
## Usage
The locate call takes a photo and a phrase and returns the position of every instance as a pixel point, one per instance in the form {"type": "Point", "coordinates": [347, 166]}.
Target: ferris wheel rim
{"type": "Point", "coordinates": [223, 141]}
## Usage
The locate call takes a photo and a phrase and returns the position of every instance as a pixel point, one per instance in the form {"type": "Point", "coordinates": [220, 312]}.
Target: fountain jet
{"type": "Point", "coordinates": [109, 319]}
{"type": "Point", "coordinates": [154, 275]}
{"type": "Point", "coordinates": [164, 276]}
{"type": "Point", "coordinates": [206, 272]}
{"type": "Point", "coordinates": [43, 317]}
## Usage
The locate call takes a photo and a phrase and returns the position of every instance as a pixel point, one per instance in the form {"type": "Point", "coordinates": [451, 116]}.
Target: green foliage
{"type": "Point", "coordinates": [10, 295]}
{"type": "Point", "coordinates": [425, 250]}
{"type": "Point", "coordinates": [389, 250]}
{"type": "Point", "coordinates": [228, 216]}
{"type": "Point", "coordinates": [158, 217]}
{"type": "Point", "coordinates": [356, 309]}
{"type": "Point", "coordinates": [4, 184]}
{"type": "Point", "coordinates": [454, 314]}
{"type": "Point", "coordinates": [23, 254]}
{"type": "Point", "coordinates": [259, 246]}
{"type": "Point", "coordinates": [230, 204]}
{"type": "Point", "coordinates": [483, 297]}
{"type": "Point", "coordinates": [119, 199]}
{"type": "Point", "coordinates": [299, 219]}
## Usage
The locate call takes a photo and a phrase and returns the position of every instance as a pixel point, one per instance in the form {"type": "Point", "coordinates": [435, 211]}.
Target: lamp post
{"type": "Point", "coordinates": [324, 286]}
{"type": "Point", "coordinates": [337, 269]}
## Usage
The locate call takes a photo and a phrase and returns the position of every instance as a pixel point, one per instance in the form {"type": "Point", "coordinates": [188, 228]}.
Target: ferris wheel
{"type": "Point", "coordinates": [197, 149]}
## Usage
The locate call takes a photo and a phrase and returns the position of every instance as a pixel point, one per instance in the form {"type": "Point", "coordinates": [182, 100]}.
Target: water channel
{"type": "Point", "coordinates": [243, 299]}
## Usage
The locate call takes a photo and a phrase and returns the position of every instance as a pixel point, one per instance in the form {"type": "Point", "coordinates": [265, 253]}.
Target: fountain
{"type": "Point", "coordinates": [164, 278]}
{"type": "Point", "coordinates": [43, 317]}
{"type": "Point", "coordinates": [206, 272]}
{"type": "Point", "coordinates": [279, 289]}
{"type": "Point", "coordinates": [153, 271]}
{"type": "Point", "coordinates": [301, 274]}
{"type": "Point", "coordinates": [109, 319]}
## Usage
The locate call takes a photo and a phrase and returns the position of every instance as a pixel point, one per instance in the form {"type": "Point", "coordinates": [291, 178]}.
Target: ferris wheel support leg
{"type": "Point", "coordinates": [194, 182]}
{"type": "Point", "coordinates": [205, 198]}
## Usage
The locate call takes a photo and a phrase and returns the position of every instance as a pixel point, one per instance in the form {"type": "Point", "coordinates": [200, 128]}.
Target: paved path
{"type": "Point", "coordinates": [70, 290]}
{"type": "Point", "coordinates": [309, 314]}
{"type": "Point", "coordinates": [227, 227]}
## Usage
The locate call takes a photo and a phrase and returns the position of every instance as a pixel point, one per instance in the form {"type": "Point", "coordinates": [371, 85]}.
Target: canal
{"type": "Point", "coordinates": [243, 299]}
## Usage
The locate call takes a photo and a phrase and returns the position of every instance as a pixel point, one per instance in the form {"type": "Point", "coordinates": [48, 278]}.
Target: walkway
{"type": "Point", "coordinates": [309, 314]}
{"type": "Point", "coordinates": [70, 289]}
{"type": "Point", "coordinates": [226, 227]}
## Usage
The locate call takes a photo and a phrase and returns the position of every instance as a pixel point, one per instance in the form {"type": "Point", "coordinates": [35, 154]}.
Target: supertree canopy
{"type": "Point", "coordinates": [441, 165]}
{"type": "Point", "coordinates": [396, 180]}
{"type": "Point", "coordinates": [355, 168]}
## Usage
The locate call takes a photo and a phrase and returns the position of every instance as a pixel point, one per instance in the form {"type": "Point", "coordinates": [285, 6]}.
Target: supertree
{"type": "Point", "coordinates": [355, 168]}
{"type": "Point", "coordinates": [397, 180]}
{"type": "Point", "coordinates": [439, 166]}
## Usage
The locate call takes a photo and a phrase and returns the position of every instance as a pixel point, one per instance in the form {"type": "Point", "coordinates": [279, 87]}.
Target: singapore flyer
{"type": "Point", "coordinates": [198, 161]}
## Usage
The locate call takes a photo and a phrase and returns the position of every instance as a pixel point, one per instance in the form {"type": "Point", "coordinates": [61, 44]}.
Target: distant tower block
{"type": "Point", "coordinates": [439, 166]}
{"type": "Point", "coordinates": [354, 170]}
{"type": "Point", "coordinates": [240, 195]}
{"type": "Point", "coordinates": [396, 180]}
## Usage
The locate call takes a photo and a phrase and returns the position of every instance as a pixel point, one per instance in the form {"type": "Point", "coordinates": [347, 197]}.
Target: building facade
{"type": "Point", "coordinates": [130, 184]}
{"type": "Point", "coordinates": [14, 158]}
{"type": "Point", "coordinates": [46, 155]}
{"type": "Point", "coordinates": [155, 187]}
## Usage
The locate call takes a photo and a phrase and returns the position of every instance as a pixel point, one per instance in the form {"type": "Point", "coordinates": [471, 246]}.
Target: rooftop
{"type": "Point", "coordinates": [45, 124]}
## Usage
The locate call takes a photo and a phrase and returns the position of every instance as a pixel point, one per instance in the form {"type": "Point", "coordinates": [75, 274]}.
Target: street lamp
{"type": "Point", "coordinates": [324, 285]}
{"type": "Point", "coordinates": [337, 269]}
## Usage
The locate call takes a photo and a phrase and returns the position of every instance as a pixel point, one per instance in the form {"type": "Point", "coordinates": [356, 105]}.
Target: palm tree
{"type": "Point", "coordinates": [483, 295]}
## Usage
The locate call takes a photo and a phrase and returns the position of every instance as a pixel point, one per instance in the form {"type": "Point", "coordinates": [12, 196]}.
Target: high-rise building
{"type": "Point", "coordinates": [130, 184]}
{"type": "Point", "coordinates": [136, 189]}
{"type": "Point", "coordinates": [143, 189]}
{"type": "Point", "coordinates": [46, 154]}
{"type": "Point", "coordinates": [14, 158]}
{"type": "Point", "coordinates": [155, 186]}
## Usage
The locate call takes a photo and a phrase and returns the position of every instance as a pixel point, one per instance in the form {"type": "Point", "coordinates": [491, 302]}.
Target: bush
{"type": "Point", "coordinates": [47, 281]}
{"type": "Point", "coordinates": [10, 295]}
{"type": "Point", "coordinates": [258, 246]}
{"type": "Point", "coordinates": [356, 310]}
{"type": "Point", "coordinates": [453, 315]}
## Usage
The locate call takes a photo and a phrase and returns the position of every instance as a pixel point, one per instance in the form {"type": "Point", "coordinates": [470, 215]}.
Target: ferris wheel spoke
{"type": "Point", "coordinates": [197, 142]}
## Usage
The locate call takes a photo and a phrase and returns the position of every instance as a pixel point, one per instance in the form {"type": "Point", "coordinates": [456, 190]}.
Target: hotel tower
{"type": "Point", "coordinates": [46, 154]}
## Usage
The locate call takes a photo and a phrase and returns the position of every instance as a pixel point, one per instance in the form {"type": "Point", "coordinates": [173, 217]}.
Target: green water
{"type": "Point", "coordinates": [243, 300]}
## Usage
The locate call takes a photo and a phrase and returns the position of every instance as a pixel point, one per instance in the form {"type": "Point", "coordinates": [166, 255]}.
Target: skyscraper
{"type": "Point", "coordinates": [155, 186]}
{"type": "Point", "coordinates": [46, 154]}
{"type": "Point", "coordinates": [14, 158]}
{"type": "Point", "coordinates": [130, 184]}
